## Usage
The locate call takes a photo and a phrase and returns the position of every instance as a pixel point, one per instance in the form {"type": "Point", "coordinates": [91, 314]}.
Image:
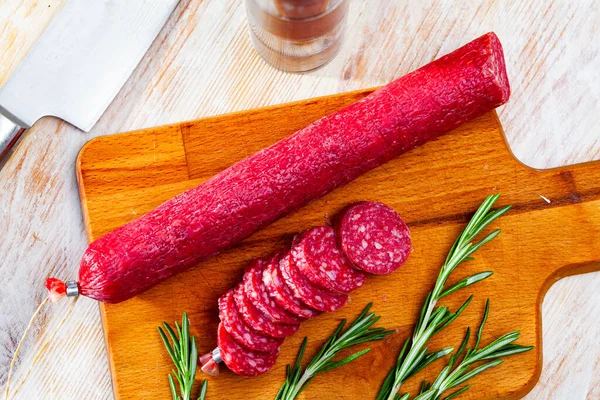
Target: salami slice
{"type": "Point", "coordinates": [256, 291]}
{"type": "Point", "coordinates": [374, 237]}
{"type": "Point", "coordinates": [241, 332]}
{"type": "Point", "coordinates": [317, 256]}
{"type": "Point", "coordinates": [319, 299]}
{"type": "Point", "coordinates": [256, 320]}
{"type": "Point", "coordinates": [242, 361]}
{"type": "Point", "coordinates": [283, 295]}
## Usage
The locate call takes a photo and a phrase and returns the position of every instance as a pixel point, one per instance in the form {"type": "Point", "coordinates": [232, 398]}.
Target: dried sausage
{"type": "Point", "coordinates": [256, 320]}
{"type": "Point", "coordinates": [317, 256]}
{"type": "Point", "coordinates": [242, 361]}
{"type": "Point", "coordinates": [319, 299]}
{"type": "Point", "coordinates": [283, 295]}
{"type": "Point", "coordinates": [279, 179]}
{"type": "Point", "coordinates": [241, 332]}
{"type": "Point", "coordinates": [374, 237]}
{"type": "Point", "coordinates": [256, 291]}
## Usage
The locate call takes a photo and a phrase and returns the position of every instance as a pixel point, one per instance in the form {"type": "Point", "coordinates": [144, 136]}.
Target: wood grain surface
{"type": "Point", "coordinates": [434, 188]}
{"type": "Point", "coordinates": [203, 64]}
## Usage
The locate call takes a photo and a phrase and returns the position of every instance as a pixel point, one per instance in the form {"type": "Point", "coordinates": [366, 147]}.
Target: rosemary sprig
{"type": "Point", "coordinates": [413, 357]}
{"type": "Point", "coordinates": [359, 331]}
{"type": "Point", "coordinates": [184, 353]}
{"type": "Point", "coordinates": [456, 373]}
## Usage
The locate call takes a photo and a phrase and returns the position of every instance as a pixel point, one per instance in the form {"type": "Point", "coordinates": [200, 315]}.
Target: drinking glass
{"type": "Point", "coordinates": [297, 35]}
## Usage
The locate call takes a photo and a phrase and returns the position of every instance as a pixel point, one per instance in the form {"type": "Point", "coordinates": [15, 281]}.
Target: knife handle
{"type": "Point", "coordinates": [9, 134]}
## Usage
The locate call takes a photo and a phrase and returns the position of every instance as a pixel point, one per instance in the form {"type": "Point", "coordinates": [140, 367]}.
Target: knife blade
{"type": "Point", "coordinates": [80, 63]}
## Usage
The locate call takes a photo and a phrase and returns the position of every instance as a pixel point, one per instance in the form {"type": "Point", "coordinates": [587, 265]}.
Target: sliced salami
{"type": "Point", "coordinates": [317, 256]}
{"type": "Point", "coordinates": [374, 237]}
{"type": "Point", "coordinates": [283, 295]}
{"type": "Point", "coordinates": [241, 332]}
{"type": "Point", "coordinates": [314, 297]}
{"type": "Point", "coordinates": [256, 291]}
{"type": "Point", "coordinates": [242, 361]}
{"type": "Point", "coordinates": [255, 319]}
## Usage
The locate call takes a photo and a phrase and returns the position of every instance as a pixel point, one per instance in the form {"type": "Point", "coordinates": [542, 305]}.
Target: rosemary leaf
{"type": "Point", "coordinates": [463, 345]}
{"type": "Point", "coordinates": [431, 357]}
{"type": "Point", "coordinates": [482, 324]}
{"type": "Point", "coordinates": [172, 386]}
{"type": "Point", "coordinates": [467, 282]}
{"type": "Point", "coordinates": [203, 389]}
{"type": "Point", "coordinates": [359, 331]}
{"type": "Point", "coordinates": [475, 371]}
{"type": "Point", "coordinates": [453, 316]}
{"type": "Point", "coordinates": [496, 345]}
{"type": "Point", "coordinates": [350, 358]}
{"type": "Point", "coordinates": [457, 393]}
{"type": "Point", "coordinates": [424, 387]}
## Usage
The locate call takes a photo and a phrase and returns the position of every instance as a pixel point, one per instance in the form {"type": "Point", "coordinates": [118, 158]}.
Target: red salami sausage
{"type": "Point", "coordinates": [316, 254]}
{"type": "Point", "coordinates": [242, 333]}
{"type": "Point", "coordinates": [242, 361]}
{"type": "Point", "coordinates": [374, 237]}
{"type": "Point", "coordinates": [319, 299]}
{"type": "Point", "coordinates": [257, 320]}
{"type": "Point", "coordinates": [325, 155]}
{"type": "Point", "coordinates": [256, 291]}
{"type": "Point", "coordinates": [283, 295]}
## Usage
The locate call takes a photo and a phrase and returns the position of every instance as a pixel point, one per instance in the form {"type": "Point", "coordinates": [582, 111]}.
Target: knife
{"type": "Point", "coordinates": [79, 64]}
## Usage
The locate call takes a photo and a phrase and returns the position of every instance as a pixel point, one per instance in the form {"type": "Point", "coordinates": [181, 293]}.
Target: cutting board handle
{"type": "Point", "coordinates": [561, 230]}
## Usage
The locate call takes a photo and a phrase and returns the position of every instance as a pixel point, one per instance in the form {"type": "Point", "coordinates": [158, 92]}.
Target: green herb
{"type": "Point", "coordinates": [359, 331]}
{"type": "Point", "coordinates": [414, 356]}
{"type": "Point", "coordinates": [457, 373]}
{"type": "Point", "coordinates": [184, 353]}
{"type": "Point", "coordinates": [203, 389]}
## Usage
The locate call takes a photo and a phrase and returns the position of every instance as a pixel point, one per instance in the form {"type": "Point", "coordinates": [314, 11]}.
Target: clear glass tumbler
{"type": "Point", "coordinates": [297, 35]}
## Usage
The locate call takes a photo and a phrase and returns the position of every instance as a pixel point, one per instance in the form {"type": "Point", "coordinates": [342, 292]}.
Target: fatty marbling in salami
{"type": "Point", "coordinates": [317, 298]}
{"type": "Point", "coordinates": [317, 256]}
{"type": "Point", "coordinates": [374, 237]}
{"type": "Point", "coordinates": [256, 291]}
{"type": "Point", "coordinates": [241, 332]}
{"type": "Point", "coordinates": [275, 181]}
{"type": "Point", "coordinates": [256, 320]}
{"type": "Point", "coordinates": [283, 295]}
{"type": "Point", "coordinates": [242, 361]}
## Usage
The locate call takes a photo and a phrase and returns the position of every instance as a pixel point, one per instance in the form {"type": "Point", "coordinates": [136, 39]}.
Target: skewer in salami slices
{"type": "Point", "coordinates": [313, 296]}
{"type": "Point", "coordinates": [240, 331]}
{"type": "Point", "coordinates": [283, 294]}
{"type": "Point", "coordinates": [255, 289]}
{"type": "Point", "coordinates": [244, 362]}
{"type": "Point", "coordinates": [256, 320]}
{"type": "Point", "coordinates": [374, 237]}
{"type": "Point", "coordinates": [317, 256]}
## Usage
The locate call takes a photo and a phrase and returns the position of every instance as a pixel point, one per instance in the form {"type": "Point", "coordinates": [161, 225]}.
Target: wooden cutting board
{"type": "Point", "coordinates": [553, 231]}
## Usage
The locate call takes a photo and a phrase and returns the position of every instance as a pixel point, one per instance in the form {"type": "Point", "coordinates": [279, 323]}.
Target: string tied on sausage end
{"type": "Point", "coordinates": [57, 289]}
{"type": "Point", "coordinates": [210, 362]}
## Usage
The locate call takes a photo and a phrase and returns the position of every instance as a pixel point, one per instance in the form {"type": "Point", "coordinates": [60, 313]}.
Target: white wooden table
{"type": "Point", "coordinates": [203, 64]}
